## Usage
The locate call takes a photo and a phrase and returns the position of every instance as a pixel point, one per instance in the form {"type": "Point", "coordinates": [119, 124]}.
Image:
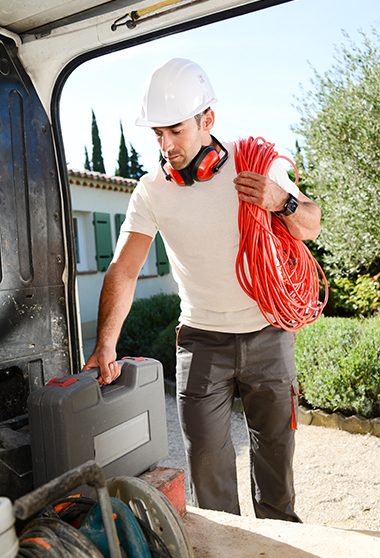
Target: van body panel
{"type": "Point", "coordinates": [34, 242]}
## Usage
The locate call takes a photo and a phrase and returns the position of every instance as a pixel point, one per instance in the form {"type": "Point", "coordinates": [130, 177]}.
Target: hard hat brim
{"type": "Point", "coordinates": [142, 121]}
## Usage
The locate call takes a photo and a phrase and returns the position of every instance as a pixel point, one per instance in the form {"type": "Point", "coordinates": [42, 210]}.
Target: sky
{"type": "Point", "coordinates": [258, 64]}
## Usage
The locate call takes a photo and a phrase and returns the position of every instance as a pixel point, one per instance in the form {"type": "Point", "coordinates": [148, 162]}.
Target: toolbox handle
{"type": "Point", "coordinates": [128, 374]}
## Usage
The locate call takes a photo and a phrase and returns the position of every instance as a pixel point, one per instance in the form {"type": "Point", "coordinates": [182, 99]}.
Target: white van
{"type": "Point", "coordinates": [41, 43]}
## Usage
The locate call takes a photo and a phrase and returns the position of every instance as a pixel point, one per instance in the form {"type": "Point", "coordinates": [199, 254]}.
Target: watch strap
{"type": "Point", "coordinates": [290, 206]}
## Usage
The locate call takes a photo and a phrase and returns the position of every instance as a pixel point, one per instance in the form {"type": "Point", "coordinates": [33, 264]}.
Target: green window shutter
{"type": "Point", "coordinates": [119, 220]}
{"type": "Point", "coordinates": [162, 261]}
{"type": "Point", "coordinates": [103, 240]}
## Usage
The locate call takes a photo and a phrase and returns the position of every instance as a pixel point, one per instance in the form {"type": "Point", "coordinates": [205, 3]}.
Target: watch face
{"type": "Point", "coordinates": [291, 205]}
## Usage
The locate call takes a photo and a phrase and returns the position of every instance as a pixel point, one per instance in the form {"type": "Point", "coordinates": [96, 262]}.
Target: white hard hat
{"type": "Point", "coordinates": [175, 92]}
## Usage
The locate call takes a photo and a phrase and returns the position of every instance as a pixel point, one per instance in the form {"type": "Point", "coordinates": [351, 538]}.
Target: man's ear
{"type": "Point", "coordinates": [208, 120]}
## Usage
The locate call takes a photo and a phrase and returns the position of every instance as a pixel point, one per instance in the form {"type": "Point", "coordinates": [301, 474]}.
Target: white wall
{"type": "Point", "coordinates": [84, 198]}
{"type": "Point", "coordinates": [89, 287]}
{"type": "Point", "coordinates": [85, 201]}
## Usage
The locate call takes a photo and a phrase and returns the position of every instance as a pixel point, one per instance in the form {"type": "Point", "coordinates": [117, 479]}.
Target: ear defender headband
{"type": "Point", "coordinates": [202, 168]}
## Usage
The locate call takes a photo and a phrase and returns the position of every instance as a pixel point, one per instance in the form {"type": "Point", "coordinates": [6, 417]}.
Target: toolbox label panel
{"type": "Point", "coordinates": [121, 439]}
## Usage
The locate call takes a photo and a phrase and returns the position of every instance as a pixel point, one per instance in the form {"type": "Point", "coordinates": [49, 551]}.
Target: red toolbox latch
{"type": "Point", "coordinates": [62, 381]}
{"type": "Point", "coordinates": [133, 358]}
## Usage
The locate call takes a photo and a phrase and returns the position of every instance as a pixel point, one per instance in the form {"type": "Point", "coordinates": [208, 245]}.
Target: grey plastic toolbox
{"type": "Point", "coordinates": [121, 426]}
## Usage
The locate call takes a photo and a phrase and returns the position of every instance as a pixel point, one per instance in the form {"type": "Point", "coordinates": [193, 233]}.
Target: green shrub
{"type": "Point", "coordinates": [149, 330]}
{"type": "Point", "coordinates": [356, 297]}
{"type": "Point", "coordinates": [338, 365]}
{"type": "Point", "coordinates": [164, 349]}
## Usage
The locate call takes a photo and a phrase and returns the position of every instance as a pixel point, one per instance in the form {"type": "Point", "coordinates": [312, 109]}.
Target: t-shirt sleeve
{"type": "Point", "coordinates": [140, 217]}
{"type": "Point", "coordinates": [278, 173]}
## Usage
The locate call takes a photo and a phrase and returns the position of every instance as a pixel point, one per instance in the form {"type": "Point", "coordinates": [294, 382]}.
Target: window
{"type": "Point", "coordinates": [119, 220]}
{"type": "Point", "coordinates": [94, 244]}
{"type": "Point", "coordinates": [84, 241]}
{"type": "Point", "coordinates": [149, 269]}
{"type": "Point", "coordinates": [162, 261]}
{"type": "Point", "coordinates": [157, 262]}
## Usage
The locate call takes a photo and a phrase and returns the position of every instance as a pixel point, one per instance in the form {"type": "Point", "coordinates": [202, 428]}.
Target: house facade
{"type": "Point", "coordinates": [99, 203]}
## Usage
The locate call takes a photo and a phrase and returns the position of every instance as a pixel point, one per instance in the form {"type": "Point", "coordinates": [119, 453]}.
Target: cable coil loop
{"type": "Point", "coordinates": [272, 267]}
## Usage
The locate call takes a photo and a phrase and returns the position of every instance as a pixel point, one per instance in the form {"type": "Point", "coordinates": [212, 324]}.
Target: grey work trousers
{"type": "Point", "coordinates": [211, 368]}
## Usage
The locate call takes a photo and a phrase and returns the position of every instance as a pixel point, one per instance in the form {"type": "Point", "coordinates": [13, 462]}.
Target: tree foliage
{"type": "Point", "coordinates": [136, 170]}
{"type": "Point", "coordinates": [97, 157]}
{"type": "Point", "coordinates": [340, 126]}
{"type": "Point", "coordinates": [87, 164]}
{"type": "Point", "coordinates": [128, 164]}
{"type": "Point", "coordinates": [123, 159]}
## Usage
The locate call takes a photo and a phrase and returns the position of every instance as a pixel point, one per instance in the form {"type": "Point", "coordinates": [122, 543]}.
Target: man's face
{"type": "Point", "coordinates": [180, 143]}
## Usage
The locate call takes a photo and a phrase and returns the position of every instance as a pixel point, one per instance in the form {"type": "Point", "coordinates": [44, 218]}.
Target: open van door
{"type": "Point", "coordinates": [37, 317]}
{"type": "Point", "coordinates": [38, 325]}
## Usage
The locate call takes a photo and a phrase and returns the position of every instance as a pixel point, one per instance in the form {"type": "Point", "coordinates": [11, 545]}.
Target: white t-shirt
{"type": "Point", "coordinates": [199, 226]}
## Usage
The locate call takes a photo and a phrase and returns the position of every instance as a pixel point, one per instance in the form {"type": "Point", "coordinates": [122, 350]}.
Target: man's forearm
{"type": "Point", "coordinates": [260, 190]}
{"type": "Point", "coordinates": [304, 224]}
{"type": "Point", "coordinates": [115, 302]}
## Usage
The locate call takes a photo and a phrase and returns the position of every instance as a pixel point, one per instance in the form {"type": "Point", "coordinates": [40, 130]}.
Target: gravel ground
{"type": "Point", "coordinates": [337, 474]}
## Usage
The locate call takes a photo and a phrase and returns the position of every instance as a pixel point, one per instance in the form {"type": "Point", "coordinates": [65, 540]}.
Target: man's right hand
{"type": "Point", "coordinates": [115, 301]}
{"type": "Point", "coordinates": [105, 359]}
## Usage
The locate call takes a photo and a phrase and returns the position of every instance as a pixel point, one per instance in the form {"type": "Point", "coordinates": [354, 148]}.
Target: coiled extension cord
{"type": "Point", "coordinates": [273, 268]}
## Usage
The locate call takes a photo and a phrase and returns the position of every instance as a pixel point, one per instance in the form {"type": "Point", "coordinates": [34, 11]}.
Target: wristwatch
{"type": "Point", "coordinates": [290, 206]}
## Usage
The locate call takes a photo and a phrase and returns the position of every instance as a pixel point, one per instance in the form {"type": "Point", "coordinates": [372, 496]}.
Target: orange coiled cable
{"type": "Point", "coordinates": [273, 268]}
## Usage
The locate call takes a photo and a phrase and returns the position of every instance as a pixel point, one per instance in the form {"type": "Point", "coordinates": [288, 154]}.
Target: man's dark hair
{"type": "Point", "coordinates": [198, 117]}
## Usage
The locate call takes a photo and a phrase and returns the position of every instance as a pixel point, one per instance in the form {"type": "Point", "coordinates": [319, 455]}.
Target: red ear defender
{"type": "Point", "coordinates": [205, 164]}
{"type": "Point", "coordinates": [172, 174]}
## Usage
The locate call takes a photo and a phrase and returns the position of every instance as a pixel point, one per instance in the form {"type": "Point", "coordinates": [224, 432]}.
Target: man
{"type": "Point", "coordinates": [224, 343]}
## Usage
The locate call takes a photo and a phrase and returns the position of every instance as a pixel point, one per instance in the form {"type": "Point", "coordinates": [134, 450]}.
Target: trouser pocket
{"type": "Point", "coordinates": [294, 401]}
{"type": "Point", "coordinates": [177, 332]}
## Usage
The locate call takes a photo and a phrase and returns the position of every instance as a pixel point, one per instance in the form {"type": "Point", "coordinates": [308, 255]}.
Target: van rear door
{"type": "Point", "coordinates": [37, 299]}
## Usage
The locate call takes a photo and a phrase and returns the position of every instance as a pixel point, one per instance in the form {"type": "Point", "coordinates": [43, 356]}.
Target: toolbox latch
{"type": "Point", "coordinates": [62, 381]}
{"type": "Point", "coordinates": [138, 359]}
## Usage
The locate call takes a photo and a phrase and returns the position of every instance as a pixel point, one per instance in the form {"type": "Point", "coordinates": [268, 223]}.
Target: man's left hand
{"type": "Point", "coordinates": [260, 190]}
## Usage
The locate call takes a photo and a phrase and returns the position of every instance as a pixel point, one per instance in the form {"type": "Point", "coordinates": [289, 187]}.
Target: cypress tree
{"type": "Point", "coordinates": [123, 160]}
{"type": "Point", "coordinates": [87, 164]}
{"type": "Point", "coordinates": [97, 157]}
{"type": "Point", "coordinates": [136, 170]}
